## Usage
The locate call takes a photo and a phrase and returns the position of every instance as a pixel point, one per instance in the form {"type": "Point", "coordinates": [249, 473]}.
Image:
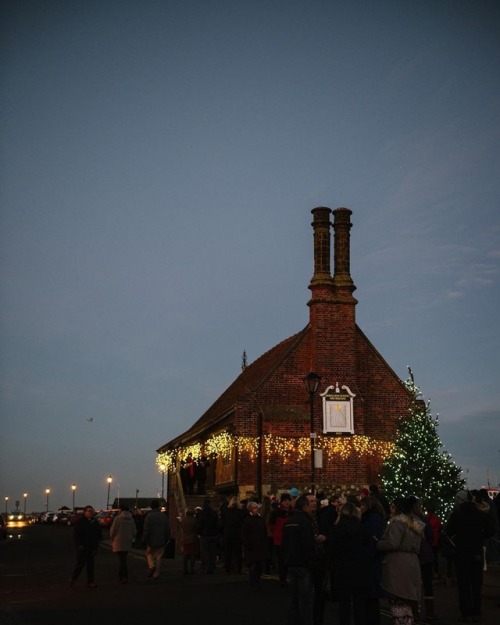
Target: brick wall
{"type": "Point", "coordinates": [380, 400]}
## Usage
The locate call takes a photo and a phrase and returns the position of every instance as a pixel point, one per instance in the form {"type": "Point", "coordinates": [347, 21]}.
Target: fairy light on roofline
{"type": "Point", "coordinates": [286, 449]}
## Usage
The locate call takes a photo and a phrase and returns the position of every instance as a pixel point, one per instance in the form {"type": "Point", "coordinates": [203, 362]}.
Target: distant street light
{"type": "Point", "coordinates": [47, 492]}
{"type": "Point", "coordinates": [110, 479]}
{"type": "Point", "coordinates": [73, 488]}
{"type": "Point", "coordinates": [162, 468]}
{"type": "Point", "coordinates": [6, 503]}
{"type": "Point", "coordinates": [25, 495]}
{"type": "Point", "coordinates": [311, 382]}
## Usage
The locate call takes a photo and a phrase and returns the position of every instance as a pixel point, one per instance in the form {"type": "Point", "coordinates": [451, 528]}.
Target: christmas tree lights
{"type": "Point", "coordinates": [418, 466]}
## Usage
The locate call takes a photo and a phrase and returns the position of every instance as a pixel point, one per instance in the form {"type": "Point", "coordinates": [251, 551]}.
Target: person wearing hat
{"type": "Point", "coordinates": [364, 492]}
{"type": "Point", "coordinates": [401, 577]}
{"type": "Point", "coordinates": [122, 534]}
{"type": "Point", "coordinates": [254, 540]}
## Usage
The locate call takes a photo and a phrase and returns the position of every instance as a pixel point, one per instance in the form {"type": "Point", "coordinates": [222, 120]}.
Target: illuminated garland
{"type": "Point", "coordinates": [298, 449]}
{"type": "Point", "coordinates": [287, 449]}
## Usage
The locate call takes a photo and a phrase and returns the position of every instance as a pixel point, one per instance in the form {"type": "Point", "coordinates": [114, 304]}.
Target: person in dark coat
{"type": "Point", "coordinates": [382, 499]}
{"type": "Point", "coordinates": [254, 540]}
{"type": "Point", "coordinates": [277, 520]}
{"type": "Point", "coordinates": [468, 526]}
{"type": "Point", "coordinates": [492, 544]}
{"type": "Point", "coordinates": [155, 535]}
{"type": "Point", "coordinates": [138, 515]}
{"type": "Point", "coordinates": [351, 579]}
{"type": "Point", "coordinates": [373, 519]}
{"type": "Point", "coordinates": [299, 555]}
{"type": "Point", "coordinates": [87, 536]}
{"type": "Point", "coordinates": [326, 515]}
{"type": "Point", "coordinates": [207, 525]}
{"type": "Point", "coordinates": [201, 474]}
{"type": "Point", "coordinates": [231, 535]}
{"type": "Point", "coordinates": [321, 532]}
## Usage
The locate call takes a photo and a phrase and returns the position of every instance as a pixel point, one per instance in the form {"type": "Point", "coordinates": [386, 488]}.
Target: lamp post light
{"type": "Point", "coordinates": [73, 488]}
{"type": "Point", "coordinates": [162, 468]}
{"type": "Point", "coordinates": [25, 495]}
{"type": "Point", "coordinates": [47, 492]}
{"type": "Point", "coordinates": [110, 479]}
{"type": "Point", "coordinates": [311, 382]}
{"type": "Point", "coordinates": [6, 504]}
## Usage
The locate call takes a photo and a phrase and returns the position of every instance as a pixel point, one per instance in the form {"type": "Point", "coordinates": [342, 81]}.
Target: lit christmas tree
{"type": "Point", "coordinates": [417, 465]}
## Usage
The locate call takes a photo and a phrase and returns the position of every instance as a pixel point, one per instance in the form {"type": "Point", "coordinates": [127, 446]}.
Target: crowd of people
{"type": "Point", "coordinates": [354, 550]}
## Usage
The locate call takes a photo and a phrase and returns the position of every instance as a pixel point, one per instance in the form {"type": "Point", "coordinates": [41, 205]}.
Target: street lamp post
{"type": "Point", "coordinates": [47, 492]}
{"type": "Point", "coordinates": [25, 495]}
{"type": "Point", "coordinates": [110, 479]}
{"type": "Point", "coordinates": [73, 488]}
{"type": "Point", "coordinates": [162, 468]}
{"type": "Point", "coordinates": [311, 382]}
{"type": "Point", "coordinates": [6, 504]}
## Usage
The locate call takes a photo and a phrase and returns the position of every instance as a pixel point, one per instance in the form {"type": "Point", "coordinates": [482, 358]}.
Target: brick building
{"type": "Point", "coordinates": [257, 434]}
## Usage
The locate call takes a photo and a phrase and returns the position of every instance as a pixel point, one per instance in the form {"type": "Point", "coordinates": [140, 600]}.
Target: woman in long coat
{"type": "Point", "coordinates": [190, 542]}
{"type": "Point", "coordinates": [122, 533]}
{"type": "Point", "coordinates": [401, 577]}
{"type": "Point", "coordinates": [254, 540]}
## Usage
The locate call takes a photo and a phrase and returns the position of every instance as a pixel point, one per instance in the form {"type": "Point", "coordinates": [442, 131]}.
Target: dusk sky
{"type": "Point", "coordinates": [159, 163]}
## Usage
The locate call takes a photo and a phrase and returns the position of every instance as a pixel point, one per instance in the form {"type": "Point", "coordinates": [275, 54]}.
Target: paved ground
{"type": "Point", "coordinates": [35, 564]}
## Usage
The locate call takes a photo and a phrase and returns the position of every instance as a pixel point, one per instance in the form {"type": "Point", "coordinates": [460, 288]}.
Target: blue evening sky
{"type": "Point", "coordinates": [159, 162]}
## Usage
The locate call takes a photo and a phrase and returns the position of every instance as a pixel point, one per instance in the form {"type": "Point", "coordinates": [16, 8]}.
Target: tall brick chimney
{"type": "Point", "coordinates": [332, 305]}
{"type": "Point", "coordinates": [344, 309]}
{"type": "Point", "coordinates": [321, 286]}
{"type": "Point", "coordinates": [321, 225]}
{"type": "Point", "coordinates": [343, 284]}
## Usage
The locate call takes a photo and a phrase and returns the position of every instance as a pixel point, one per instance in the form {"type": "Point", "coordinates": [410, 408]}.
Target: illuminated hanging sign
{"type": "Point", "coordinates": [338, 410]}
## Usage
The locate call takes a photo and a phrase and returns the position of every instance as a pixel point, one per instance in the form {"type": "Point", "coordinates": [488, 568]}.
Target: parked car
{"type": "Point", "coordinates": [74, 516]}
{"type": "Point", "coordinates": [63, 517]}
{"type": "Point", "coordinates": [105, 518]}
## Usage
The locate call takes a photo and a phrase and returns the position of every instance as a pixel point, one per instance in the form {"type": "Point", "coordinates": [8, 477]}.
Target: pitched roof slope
{"type": "Point", "coordinates": [250, 379]}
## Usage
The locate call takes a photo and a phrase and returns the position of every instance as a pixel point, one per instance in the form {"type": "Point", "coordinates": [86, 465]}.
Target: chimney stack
{"type": "Point", "coordinates": [332, 305]}
{"type": "Point", "coordinates": [321, 225]}
{"type": "Point", "coordinates": [342, 281]}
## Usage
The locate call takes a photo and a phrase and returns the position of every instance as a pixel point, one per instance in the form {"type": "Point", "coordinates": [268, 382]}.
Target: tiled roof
{"type": "Point", "coordinates": [246, 383]}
